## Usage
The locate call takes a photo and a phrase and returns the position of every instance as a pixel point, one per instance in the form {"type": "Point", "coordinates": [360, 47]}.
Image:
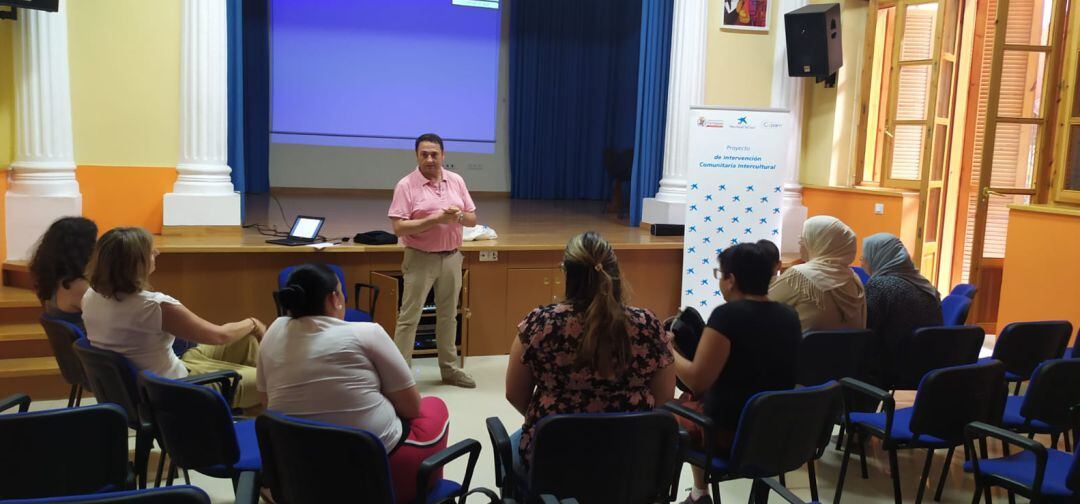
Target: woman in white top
{"type": "Point", "coordinates": [315, 365]}
{"type": "Point", "coordinates": [122, 314]}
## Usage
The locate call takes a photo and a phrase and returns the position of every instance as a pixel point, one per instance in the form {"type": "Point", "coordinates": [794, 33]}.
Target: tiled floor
{"type": "Point", "coordinates": [469, 408]}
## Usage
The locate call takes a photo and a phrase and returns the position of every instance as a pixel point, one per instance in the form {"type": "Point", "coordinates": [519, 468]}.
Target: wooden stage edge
{"type": "Point", "coordinates": [225, 277]}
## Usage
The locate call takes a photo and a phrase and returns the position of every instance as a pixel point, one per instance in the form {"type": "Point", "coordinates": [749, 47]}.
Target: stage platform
{"type": "Point", "coordinates": [228, 275]}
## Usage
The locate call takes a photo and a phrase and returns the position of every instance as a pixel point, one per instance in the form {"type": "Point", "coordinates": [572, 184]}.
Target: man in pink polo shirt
{"type": "Point", "coordinates": [430, 206]}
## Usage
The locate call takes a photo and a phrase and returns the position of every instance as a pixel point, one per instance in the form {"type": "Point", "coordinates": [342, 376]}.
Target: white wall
{"type": "Point", "coordinates": [313, 166]}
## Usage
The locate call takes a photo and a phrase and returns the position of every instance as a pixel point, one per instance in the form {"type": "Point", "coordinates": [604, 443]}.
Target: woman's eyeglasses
{"type": "Point", "coordinates": [716, 273]}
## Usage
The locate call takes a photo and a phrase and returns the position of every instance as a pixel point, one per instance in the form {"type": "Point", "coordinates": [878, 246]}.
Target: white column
{"type": "Point", "coordinates": [686, 87]}
{"type": "Point", "coordinates": [203, 194]}
{"type": "Point", "coordinates": [43, 186]}
{"type": "Point", "coordinates": [787, 93]}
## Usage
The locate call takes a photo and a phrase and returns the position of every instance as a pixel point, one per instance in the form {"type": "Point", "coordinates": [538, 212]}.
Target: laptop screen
{"type": "Point", "coordinates": [306, 228]}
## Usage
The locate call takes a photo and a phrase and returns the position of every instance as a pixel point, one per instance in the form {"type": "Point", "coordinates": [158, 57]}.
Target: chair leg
{"type": "Point", "coordinates": [1012, 497]}
{"type": "Point", "coordinates": [143, 442]}
{"type": "Point", "coordinates": [843, 469]}
{"type": "Point", "coordinates": [811, 474]}
{"type": "Point", "coordinates": [977, 494]}
{"type": "Point", "coordinates": [1005, 448]}
{"type": "Point", "coordinates": [715, 491]}
{"type": "Point", "coordinates": [944, 474]}
{"type": "Point", "coordinates": [187, 478]}
{"type": "Point", "coordinates": [759, 492]}
{"type": "Point", "coordinates": [1016, 389]}
{"type": "Point", "coordinates": [1054, 439]}
{"type": "Point", "coordinates": [172, 473]}
{"type": "Point", "coordinates": [71, 395]}
{"type": "Point", "coordinates": [779, 477]}
{"type": "Point", "coordinates": [862, 455]}
{"type": "Point", "coordinates": [160, 469]}
{"type": "Point", "coordinates": [894, 467]}
{"type": "Point", "coordinates": [78, 397]}
{"type": "Point", "coordinates": [925, 475]}
{"type": "Point", "coordinates": [840, 437]}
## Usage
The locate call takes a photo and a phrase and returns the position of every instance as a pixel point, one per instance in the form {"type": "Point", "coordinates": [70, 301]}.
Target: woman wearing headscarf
{"type": "Point", "coordinates": [899, 299]}
{"type": "Point", "coordinates": [824, 290]}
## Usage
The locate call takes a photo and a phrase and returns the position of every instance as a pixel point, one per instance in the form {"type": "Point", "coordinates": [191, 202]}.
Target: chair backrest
{"type": "Point", "coordinates": [337, 461]}
{"type": "Point", "coordinates": [954, 310]}
{"type": "Point", "coordinates": [618, 457]}
{"type": "Point", "coordinates": [931, 348]}
{"type": "Point", "coordinates": [830, 355]}
{"type": "Point", "coordinates": [180, 494]}
{"type": "Point", "coordinates": [966, 290]}
{"type": "Point", "coordinates": [63, 452]}
{"type": "Point", "coordinates": [110, 376]}
{"type": "Point", "coordinates": [948, 399]}
{"type": "Point", "coordinates": [781, 430]}
{"type": "Point", "coordinates": [62, 334]}
{"type": "Point", "coordinates": [1054, 388]}
{"type": "Point", "coordinates": [193, 422]}
{"type": "Point", "coordinates": [1022, 346]}
{"type": "Point", "coordinates": [861, 273]}
{"type": "Point", "coordinates": [283, 276]}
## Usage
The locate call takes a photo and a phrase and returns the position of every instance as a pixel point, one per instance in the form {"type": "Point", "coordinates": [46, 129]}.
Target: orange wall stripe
{"type": "Point", "coordinates": [1041, 272]}
{"type": "Point", "coordinates": [857, 211]}
{"type": "Point", "coordinates": [124, 195]}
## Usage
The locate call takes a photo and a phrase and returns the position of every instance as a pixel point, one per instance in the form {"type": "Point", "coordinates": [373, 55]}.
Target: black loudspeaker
{"type": "Point", "coordinates": [666, 229]}
{"type": "Point", "coordinates": [813, 41]}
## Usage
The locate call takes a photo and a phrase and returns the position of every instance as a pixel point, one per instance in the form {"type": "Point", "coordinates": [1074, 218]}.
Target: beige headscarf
{"type": "Point", "coordinates": [830, 247]}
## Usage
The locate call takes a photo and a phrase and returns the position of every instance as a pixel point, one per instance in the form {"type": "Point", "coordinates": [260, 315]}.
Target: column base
{"type": "Point", "coordinates": [654, 211]}
{"type": "Point", "coordinates": [183, 209]}
{"type": "Point", "coordinates": [27, 217]}
{"type": "Point", "coordinates": [791, 226]}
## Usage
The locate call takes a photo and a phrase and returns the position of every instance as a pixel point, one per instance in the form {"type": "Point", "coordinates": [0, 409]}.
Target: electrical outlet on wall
{"type": "Point", "coordinates": [489, 255]}
{"type": "Point", "coordinates": [879, 209]}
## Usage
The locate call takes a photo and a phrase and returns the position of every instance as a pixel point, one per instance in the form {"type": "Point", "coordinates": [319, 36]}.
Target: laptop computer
{"type": "Point", "coordinates": [305, 230]}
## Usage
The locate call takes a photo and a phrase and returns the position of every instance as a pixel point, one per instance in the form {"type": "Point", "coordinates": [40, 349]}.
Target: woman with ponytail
{"type": "Point", "coordinates": [590, 353]}
{"type": "Point", "coordinates": [315, 365]}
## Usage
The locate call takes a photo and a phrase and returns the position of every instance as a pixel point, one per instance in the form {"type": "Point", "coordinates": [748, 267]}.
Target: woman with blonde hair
{"type": "Point", "coordinates": [824, 289]}
{"type": "Point", "coordinates": [124, 315]}
{"type": "Point", "coordinates": [590, 353]}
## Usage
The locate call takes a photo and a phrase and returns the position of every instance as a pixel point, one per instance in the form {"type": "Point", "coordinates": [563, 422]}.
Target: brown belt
{"type": "Point", "coordinates": [443, 253]}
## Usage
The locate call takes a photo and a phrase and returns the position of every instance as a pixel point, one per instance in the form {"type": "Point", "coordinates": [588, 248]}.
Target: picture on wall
{"type": "Point", "coordinates": [751, 15]}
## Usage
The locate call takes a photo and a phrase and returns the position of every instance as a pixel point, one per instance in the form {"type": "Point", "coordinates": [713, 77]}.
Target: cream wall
{"type": "Point", "coordinates": [125, 81]}
{"type": "Point", "coordinates": [831, 114]}
{"type": "Point", "coordinates": [7, 97]}
{"type": "Point", "coordinates": [739, 64]}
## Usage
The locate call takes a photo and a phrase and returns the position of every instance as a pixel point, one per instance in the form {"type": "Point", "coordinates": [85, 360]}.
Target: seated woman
{"type": "Point", "coordinates": [123, 315]}
{"type": "Point", "coordinates": [748, 346]}
{"type": "Point", "coordinates": [824, 289]}
{"type": "Point", "coordinates": [590, 353]}
{"type": "Point", "coordinates": [898, 301]}
{"type": "Point", "coordinates": [58, 267]}
{"type": "Point", "coordinates": [315, 365]}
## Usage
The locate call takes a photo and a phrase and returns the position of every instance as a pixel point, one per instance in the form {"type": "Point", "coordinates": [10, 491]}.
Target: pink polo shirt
{"type": "Point", "coordinates": [416, 197]}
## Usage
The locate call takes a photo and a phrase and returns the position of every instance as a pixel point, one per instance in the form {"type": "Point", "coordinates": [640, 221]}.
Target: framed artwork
{"type": "Point", "coordinates": [749, 15]}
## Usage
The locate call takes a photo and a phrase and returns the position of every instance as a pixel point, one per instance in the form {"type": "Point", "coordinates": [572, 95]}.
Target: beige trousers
{"type": "Point", "coordinates": [241, 356]}
{"type": "Point", "coordinates": [422, 270]}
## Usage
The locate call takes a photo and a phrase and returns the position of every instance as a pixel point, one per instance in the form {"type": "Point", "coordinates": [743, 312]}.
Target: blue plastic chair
{"type": "Point", "coordinates": [63, 451]}
{"type": "Point", "coordinates": [345, 461]}
{"type": "Point", "coordinates": [62, 334]}
{"type": "Point", "coordinates": [195, 426]}
{"type": "Point", "coordinates": [1022, 346]}
{"type": "Point", "coordinates": [862, 274]}
{"type": "Point", "coordinates": [1037, 473]}
{"type": "Point", "coordinates": [966, 290]}
{"type": "Point", "coordinates": [354, 314]}
{"type": "Point", "coordinates": [954, 310]}
{"type": "Point", "coordinates": [1044, 408]}
{"type": "Point", "coordinates": [778, 431]}
{"type": "Point", "coordinates": [181, 494]}
{"type": "Point", "coordinates": [947, 400]}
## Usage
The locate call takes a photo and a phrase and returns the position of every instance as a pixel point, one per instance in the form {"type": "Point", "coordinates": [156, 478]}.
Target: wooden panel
{"type": "Point", "coordinates": [984, 309]}
{"type": "Point", "coordinates": [655, 279]}
{"type": "Point", "coordinates": [487, 307]}
{"type": "Point", "coordinates": [534, 259]}
{"type": "Point", "coordinates": [526, 289]}
{"type": "Point", "coordinates": [387, 309]}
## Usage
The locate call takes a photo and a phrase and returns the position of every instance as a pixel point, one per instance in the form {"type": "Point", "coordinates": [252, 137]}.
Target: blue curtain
{"type": "Point", "coordinates": [249, 95]}
{"type": "Point", "coordinates": [652, 94]}
{"type": "Point", "coordinates": [573, 93]}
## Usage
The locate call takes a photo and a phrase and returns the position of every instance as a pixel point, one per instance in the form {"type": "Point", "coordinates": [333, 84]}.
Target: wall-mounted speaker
{"type": "Point", "coordinates": [814, 48]}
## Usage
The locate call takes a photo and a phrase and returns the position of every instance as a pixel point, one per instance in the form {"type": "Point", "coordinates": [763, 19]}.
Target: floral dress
{"type": "Point", "coordinates": [550, 336]}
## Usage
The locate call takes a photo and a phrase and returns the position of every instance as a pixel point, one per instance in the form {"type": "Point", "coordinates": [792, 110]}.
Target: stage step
{"type": "Point", "coordinates": [26, 361]}
{"type": "Point", "coordinates": [17, 274]}
{"type": "Point", "coordinates": [23, 340]}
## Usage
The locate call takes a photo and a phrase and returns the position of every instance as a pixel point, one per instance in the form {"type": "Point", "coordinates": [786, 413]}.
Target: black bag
{"type": "Point", "coordinates": [686, 327]}
{"type": "Point", "coordinates": [375, 238]}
